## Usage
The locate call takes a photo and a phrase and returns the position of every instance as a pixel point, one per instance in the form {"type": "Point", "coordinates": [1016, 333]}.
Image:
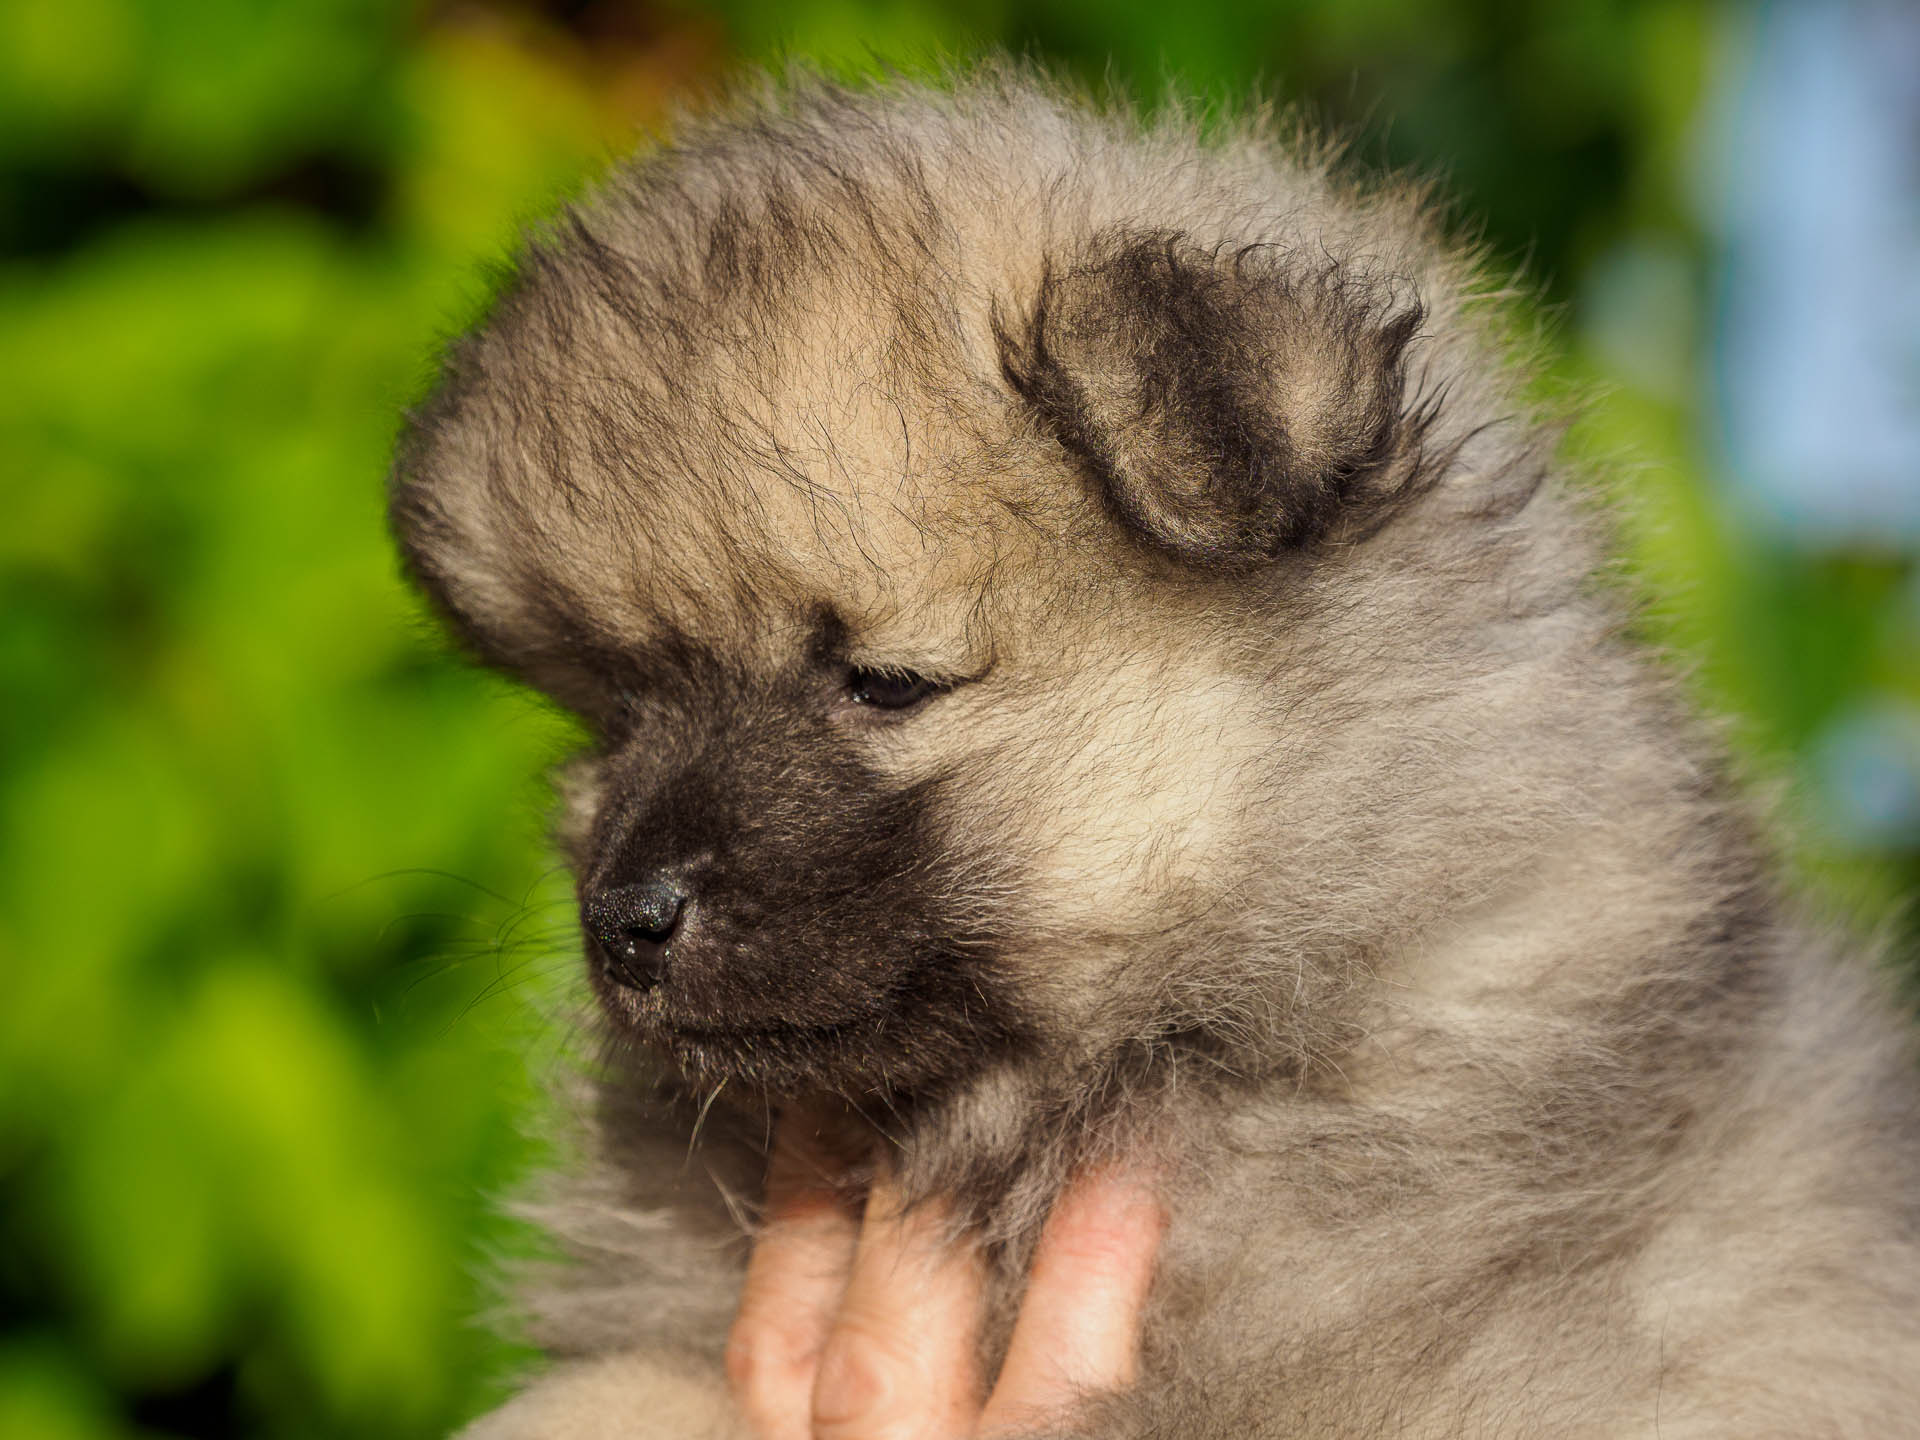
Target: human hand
{"type": "Point", "coordinates": [865, 1328]}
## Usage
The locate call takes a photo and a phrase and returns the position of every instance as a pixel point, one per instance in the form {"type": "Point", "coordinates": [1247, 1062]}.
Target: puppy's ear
{"type": "Point", "coordinates": [1229, 405]}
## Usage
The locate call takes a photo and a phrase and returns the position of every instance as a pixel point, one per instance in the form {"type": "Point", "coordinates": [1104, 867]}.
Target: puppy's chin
{"type": "Point", "coordinates": [788, 1063]}
{"type": "Point", "coordinates": [888, 1052]}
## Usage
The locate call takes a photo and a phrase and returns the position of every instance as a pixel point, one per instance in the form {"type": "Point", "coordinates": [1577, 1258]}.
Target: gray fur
{"type": "Point", "coordinates": [1298, 814]}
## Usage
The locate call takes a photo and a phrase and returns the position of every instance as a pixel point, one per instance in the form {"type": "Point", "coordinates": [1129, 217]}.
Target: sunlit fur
{"type": "Point", "coordinates": [1300, 821]}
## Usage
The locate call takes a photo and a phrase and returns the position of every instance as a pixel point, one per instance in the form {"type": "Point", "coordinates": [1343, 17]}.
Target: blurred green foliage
{"type": "Point", "coordinates": [275, 907]}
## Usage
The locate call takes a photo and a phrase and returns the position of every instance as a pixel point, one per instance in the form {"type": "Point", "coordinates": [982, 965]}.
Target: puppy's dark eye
{"type": "Point", "coordinates": [891, 689]}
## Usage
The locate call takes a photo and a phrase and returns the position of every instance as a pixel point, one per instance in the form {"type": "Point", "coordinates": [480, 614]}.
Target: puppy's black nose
{"type": "Point", "coordinates": [632, 925]}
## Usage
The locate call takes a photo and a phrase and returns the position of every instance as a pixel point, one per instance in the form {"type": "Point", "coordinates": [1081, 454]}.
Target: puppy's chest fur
{"type": "Point", "coordinates": [1413, 1262]}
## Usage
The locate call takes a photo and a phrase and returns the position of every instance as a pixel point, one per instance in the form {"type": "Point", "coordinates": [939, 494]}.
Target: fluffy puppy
{"type": "Point", "coordinates": [1090, 653]}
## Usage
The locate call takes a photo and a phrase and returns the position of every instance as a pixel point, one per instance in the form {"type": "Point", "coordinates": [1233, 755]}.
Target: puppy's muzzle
{"type": "Point", "coordinates": [633, 925]}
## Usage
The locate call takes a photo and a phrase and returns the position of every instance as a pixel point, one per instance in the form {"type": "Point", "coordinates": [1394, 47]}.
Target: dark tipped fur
{"type": "Point", "coordinates": [1282, 809]}
{"type": "Point", "coordinates": [1230, 406]}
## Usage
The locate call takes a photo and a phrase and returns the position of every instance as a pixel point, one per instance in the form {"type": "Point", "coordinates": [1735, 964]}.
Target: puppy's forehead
{"type": "Point", "coordinates": [829, 429]}
{"type": "Point", "coordinates": [834, 487]}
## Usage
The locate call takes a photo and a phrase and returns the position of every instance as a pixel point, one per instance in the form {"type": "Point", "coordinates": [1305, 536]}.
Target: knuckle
{"type": "Point", "coordinates": [762, 1359]}
{"type": "Point", "coordinates": [862, 1382]}
{"type": "Point", "coordinates": [744, 1356]}
{"type": "Point", "coordinates": [1095, 1249]}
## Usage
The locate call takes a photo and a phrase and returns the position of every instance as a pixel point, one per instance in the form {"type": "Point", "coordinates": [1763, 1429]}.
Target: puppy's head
{"type": "Point", "coordinates": [929, 516]}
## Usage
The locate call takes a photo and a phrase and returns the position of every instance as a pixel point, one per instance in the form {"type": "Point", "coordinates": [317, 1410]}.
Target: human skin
{"type": "Point", "coordinates": [863, 1326]}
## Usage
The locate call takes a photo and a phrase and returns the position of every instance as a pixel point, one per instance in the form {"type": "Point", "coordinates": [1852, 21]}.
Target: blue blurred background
{"type": "Point", "coordinates": [277, 922]}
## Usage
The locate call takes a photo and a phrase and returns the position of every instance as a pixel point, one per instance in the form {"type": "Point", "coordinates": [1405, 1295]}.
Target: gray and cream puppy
{"type": "Point", "coordinates": [1091, 653]}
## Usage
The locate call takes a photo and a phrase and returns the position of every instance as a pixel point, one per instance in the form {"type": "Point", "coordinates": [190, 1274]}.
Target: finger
{"type": "Point", "coordinates": [1079, 1325]}
{"type": "Point", "coordinates": [900, 1362]}
{"type": "Point", "coordinates": [794, 1280]}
